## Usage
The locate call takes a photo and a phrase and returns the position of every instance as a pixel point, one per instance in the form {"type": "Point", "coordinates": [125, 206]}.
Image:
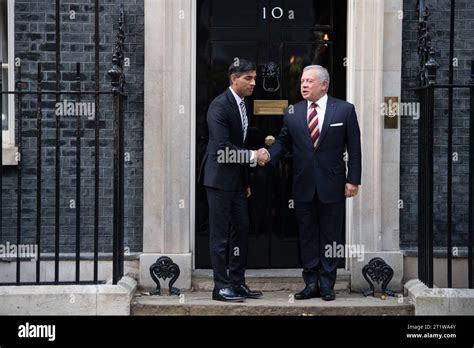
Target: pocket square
{"type": "Point", "coordinates": [336, 124]}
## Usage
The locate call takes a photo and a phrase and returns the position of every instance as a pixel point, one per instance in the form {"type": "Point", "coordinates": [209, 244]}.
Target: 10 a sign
{"type": "Point", "coordinates": [277, 13]}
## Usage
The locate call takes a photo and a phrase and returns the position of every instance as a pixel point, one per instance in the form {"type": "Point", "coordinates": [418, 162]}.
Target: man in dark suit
{"type": "Point", "coordinates": [320, 129]}
{"type": "Point", "coordinates": [224, 173]}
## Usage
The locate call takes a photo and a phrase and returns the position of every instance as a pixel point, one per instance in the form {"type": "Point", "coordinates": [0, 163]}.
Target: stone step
{"type": "Point", "coordinates": [268, 280]}
{"type": "Point", "coordinates": [278, 303]}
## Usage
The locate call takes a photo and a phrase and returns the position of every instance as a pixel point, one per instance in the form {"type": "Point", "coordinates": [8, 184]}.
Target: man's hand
{"type": "Point", "coordinates": [351, 190]}
{"type": "Point", "coordinates": [263, 157]}
{"type": "Point", "coordinates": [248, 192]}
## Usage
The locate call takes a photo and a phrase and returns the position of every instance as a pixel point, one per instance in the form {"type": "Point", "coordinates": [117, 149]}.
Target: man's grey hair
{"type": "Point", "coordinates": [322, 72]}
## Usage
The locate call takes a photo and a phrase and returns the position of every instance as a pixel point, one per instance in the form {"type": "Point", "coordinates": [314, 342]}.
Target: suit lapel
{"type": "Point", "coordinates": [235, 110]}
{"type": "Point", "coordinates": [328, 116]}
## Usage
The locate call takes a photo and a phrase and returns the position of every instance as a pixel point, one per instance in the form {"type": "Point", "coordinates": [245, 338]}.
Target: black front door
{"type": "Point", "coordinates": [282, 37]}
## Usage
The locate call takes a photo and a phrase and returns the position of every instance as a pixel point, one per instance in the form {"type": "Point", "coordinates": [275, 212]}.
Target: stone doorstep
{"type": "Point", "coordinates": [268, 280]}
{"type": "Point", "coordinates": [276, 303]}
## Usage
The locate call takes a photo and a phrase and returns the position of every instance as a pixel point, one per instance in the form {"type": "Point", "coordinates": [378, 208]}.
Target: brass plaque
{"type": "Point", "coordinates": [269, 107]}
{"type": "Point", "coordinates": [390, 117]}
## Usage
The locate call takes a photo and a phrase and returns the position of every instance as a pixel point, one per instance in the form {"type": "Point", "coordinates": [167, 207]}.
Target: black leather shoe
{"type": "Point", "coordinates": [226, 294]}
{"type": "Point", "coordinates": [243, 290]}
{"type": "Point", "coordinates": [311, 290]}
{"type": "Point", "coordinates": [328, 296]}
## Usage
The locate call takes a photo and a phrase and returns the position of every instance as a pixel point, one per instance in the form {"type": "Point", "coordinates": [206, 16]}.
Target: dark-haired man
{"type": "Point", "coordinates": [224, 174]}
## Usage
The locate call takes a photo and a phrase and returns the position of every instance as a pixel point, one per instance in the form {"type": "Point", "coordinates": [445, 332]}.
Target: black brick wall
{"type": "Point", "coordinates": [464, 52]}
{"type": "Point", "coordinates": [35, 41]}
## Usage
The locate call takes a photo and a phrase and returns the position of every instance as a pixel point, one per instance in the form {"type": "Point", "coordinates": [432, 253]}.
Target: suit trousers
{"type": "Point", "coordinates": [320, 226]}
{"type": "Point", "coordinates": [228, 235]}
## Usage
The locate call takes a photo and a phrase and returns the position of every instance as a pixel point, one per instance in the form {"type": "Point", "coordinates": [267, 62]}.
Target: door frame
{"type": "Point", "coordinates": [192, 204]}
{"type": "Point", "coordinates": [349, 94]}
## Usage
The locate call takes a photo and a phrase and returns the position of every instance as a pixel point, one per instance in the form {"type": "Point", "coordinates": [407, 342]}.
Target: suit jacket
{"type": "Point", "coordinates": [225, 134]}
{"type": "Point", "coordinates": [322, 168]}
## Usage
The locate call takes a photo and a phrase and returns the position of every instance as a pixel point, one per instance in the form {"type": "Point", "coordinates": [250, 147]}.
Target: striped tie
{"type": "Point", "coordinates": [245, 120]}
{"type": "Point", "coordinates": [313, 124]}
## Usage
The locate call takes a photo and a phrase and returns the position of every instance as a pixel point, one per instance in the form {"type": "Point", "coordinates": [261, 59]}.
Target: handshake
{"type": "Point", "coordinates": [262, 156]}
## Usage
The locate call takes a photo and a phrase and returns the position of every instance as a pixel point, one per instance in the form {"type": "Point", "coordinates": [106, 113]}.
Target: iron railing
{"type": "Point", "coordinates": [426, 96]}
{"type": "Point", "coordinates": [117, 94]}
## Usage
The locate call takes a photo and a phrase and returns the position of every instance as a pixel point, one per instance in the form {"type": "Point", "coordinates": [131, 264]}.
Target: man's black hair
{"type": "Point", "coordinates": [240, 66]}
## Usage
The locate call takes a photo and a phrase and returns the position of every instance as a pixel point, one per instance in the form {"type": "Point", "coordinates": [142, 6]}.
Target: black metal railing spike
{"type": "Point", "coordinates": [57, 190]}
{"type": "Point", "coordinates": [38, 174]}
{"type": "Point", "coordinates": [116, 72]}
{"type": "Point", "coordinates": [449, 210]}
{"type": "Point", "coordinates": [78, 176]}
{"type": "Point", "coordinates": [19, 171]}
{"type": "Point", "coordinates": [96, 139]}
{"type": "Point", "coordinates": [427, 78]}
{"type": "Point", "coordinates": [428, 65]}
{"type": "Point", "coordinates": [470, 257]}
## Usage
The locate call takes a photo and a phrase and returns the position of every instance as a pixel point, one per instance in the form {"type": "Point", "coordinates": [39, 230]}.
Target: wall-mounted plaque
{"type": "Point", "coordinates": [390, 113]}
{"type": "Point", "coordinates": [269, 107]}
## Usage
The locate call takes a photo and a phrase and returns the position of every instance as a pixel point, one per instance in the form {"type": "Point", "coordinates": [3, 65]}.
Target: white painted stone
{"type": "Point", "coordinates": [366, 221]}
{"type": "Point", "coordinates": [390, 212]}
{"type": "Point", "coordinates": [48, 300]}
{"type": "Point", "coordinates": [9, 155]}
{"type": "Point", "coordinates": [392, 47]}
{"type": "Point", "coordinates": [393, 6]}
{"type": "Point", "coordinates": [169, 135]}
{"type": "Point", "coordinates": [439, 301]}
{"type": "Point", "coordinates": [68, 299]}
{"type": "Point", "coordinates": [153, 160]}
{"type": "Point", "coordinates": [440, 272]}
{"type": "Point", "coordinates": [392, 72]}
{"type": "Point", "coordinates": [393, 258]}
{"type": "Point", "coordinates": [392, 83]}
{"type": "Point", "coordinates": [116, 299]}
{"type": "Point", "coordinates": [374, 50]}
